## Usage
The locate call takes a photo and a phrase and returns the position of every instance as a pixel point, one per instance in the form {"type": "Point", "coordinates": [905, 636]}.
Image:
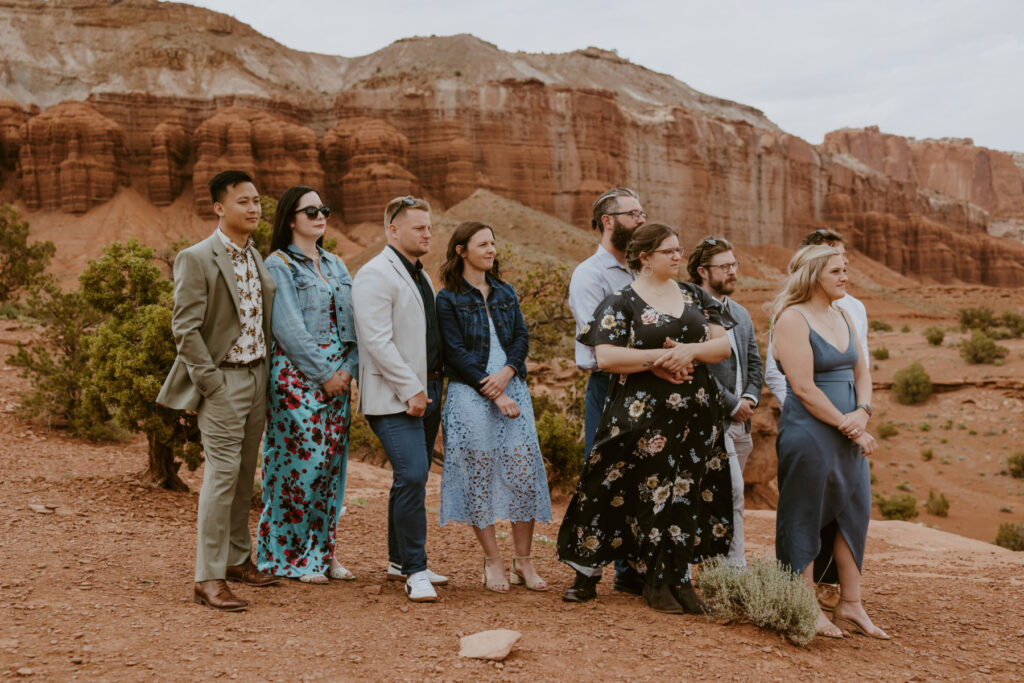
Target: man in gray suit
{"type": "Point", "coordinates": [400, 381]}
{"type": "Point", "coordinates": [223, 297]}
{"type": "Point", "coordinates": [713, 266]}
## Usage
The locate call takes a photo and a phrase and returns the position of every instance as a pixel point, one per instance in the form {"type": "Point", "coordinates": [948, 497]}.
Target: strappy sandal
{"type": "Point", "coordinates": [853, 626]}
{"type": "Point", "coordinates": [837, 634]}
{"type": "Point", "coordinates": [315, 579]}
{"type": "Point", "coordinates": [339, 573]}
{"type": "Point", "coordinates": [517, 578]}
{"type": "Point", "coordinates": [498, 586]}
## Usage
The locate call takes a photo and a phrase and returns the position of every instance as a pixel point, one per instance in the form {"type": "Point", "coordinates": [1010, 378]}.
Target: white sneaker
{"type": "Point", "coordinates": [418, 588]}
{"type": "Point", "coordinates": [395, 574]}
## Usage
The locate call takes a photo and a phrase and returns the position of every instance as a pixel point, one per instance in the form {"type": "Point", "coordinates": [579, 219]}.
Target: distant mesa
{"type": "Point", "coordinates": [93, 105]}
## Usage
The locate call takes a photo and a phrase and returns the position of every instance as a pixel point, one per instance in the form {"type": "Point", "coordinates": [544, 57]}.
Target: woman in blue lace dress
{"type": "Point", "coordinates": [314, 357]}
{"type": "Point", "coordinates": [493, 467]}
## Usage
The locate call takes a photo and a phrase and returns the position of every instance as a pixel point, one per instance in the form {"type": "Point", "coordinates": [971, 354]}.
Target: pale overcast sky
{"type": "Point", "coordinates": [935, 68]}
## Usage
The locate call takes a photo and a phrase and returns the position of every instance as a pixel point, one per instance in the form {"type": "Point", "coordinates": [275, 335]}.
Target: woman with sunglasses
{"type": "Point", "coordinates": [656, 489]}
{"type": "Point", "coordinates": [313, 360]}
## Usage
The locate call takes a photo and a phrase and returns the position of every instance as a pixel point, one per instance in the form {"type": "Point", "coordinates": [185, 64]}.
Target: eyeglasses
{"type": "Point", "coordinates": [726, 267]}
{"type": "Point", "coordinates": [312, 211]}
{"type": "Point", "coordinates": [677, 251]}
{"type": "Point", "coordinates": [637, 214]}
{"type": "Point", "coordinates": [406, 201]}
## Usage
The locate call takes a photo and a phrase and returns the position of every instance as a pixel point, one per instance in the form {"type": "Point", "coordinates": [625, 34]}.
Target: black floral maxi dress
{"type": "Point", "coordinates": [656, 490]}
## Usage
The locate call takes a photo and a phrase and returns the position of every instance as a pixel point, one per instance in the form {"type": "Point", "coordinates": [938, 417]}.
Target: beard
{"type": "Point", "coordinates": [723, 287]}
{"type": "Point", "coordinates": [621, 235]}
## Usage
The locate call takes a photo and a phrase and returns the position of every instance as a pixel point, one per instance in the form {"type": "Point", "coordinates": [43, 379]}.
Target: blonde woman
{"type": "Point", "coordinates": [824, 481]}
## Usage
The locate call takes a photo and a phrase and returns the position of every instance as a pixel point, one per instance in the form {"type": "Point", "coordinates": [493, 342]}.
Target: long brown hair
{"type": "Point", "coordinates": [451, 270]}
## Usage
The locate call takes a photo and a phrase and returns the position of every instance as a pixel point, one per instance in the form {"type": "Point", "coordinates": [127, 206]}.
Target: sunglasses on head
{"type": "Point", "coordinates": [406, 201]}
{"type": "Point", "coordinates": [312, 211]}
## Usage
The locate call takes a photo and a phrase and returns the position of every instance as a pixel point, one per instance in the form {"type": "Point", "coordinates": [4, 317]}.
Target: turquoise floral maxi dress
{"type": "Point", "coordinates": [305, 449]}
{"type": "Point", "coordinates": [656, 489]}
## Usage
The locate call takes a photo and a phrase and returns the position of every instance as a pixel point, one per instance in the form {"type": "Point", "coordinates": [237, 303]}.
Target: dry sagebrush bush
{"type": "Point", "coordinates": [765, 593]}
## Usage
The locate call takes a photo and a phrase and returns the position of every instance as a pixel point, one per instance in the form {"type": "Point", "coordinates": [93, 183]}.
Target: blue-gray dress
{"type": "Point", "coordinates": [824, 481]}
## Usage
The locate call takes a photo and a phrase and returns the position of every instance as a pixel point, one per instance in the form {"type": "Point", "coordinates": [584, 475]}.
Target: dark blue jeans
{"type": "Point", "coordinates": [409, 443]}
{"type": "Point", "coordinates": [597, 391]}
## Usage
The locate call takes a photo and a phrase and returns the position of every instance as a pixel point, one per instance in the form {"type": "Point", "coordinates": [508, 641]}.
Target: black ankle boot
{"type": "Point", "coordinates": [688, 598]}
{"type": "Point", "coordinates": [659, 598]}
{"type": "Point", "coordinates": [583, 589]}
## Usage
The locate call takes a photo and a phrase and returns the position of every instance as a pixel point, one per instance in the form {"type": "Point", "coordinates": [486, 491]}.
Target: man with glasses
{"type": "Point", "coordinates": [616, 214]}
{"type": "Point", "coordinates": [400, 381]}
{"type": "Point", "coordinates": [713, 266]}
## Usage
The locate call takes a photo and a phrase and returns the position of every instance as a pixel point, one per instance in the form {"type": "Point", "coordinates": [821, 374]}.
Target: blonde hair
{"type": "Point", "coordinates": [396, 205]}
{"type": "Point", "coordinates": [804, 272]}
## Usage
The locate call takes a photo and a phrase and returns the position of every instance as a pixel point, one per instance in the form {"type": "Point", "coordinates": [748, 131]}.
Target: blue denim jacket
{"type": "Point", "coordinates": [466, 338]}
{"type": "Point", "coordinates": [301, 318]}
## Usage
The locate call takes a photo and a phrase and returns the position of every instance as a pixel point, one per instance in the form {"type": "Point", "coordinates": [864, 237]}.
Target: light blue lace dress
{"type": "Point", "coordinates": [493, 468]}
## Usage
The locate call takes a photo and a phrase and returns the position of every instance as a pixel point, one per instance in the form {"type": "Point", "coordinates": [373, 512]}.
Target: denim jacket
{"type": "Point", "coordinates": [301, 318]}
{"type": "Point", "coordinates": [466, 337]}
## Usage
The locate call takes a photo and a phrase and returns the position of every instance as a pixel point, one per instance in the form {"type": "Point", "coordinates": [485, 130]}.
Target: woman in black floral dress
{"type": "Point", "coordinates": [656, 489]}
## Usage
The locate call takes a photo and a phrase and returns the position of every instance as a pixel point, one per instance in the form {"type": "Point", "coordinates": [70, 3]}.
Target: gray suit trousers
{"type": "Point", "coordinates": [231, 421]}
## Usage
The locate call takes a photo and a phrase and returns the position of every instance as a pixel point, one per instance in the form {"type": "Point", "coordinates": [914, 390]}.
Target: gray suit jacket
{"type": "Point", "coordinates": [391, 331]}
{"type": "Point", "coordinates": [749, 360]}
{"type": "Point", "coordinates": [206, 322]}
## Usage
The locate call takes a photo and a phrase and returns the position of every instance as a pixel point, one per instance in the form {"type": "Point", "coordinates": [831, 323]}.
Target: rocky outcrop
{"type": "Point", "coordinates": [278, 154]}
{"type": "Point", "coordinates": [71, 158]}
{"type": "Point", "coordinates": [170, 149]}
{"type": "Point", "coordinates": [366, 161]}
{"type": "Point", "coordinates": [955, 167]}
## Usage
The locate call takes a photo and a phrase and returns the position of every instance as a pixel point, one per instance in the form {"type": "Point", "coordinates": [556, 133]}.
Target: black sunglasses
{"type": "Point", "coordinates": [312, 211]}
{"type": "Point", "coordinates": [406, 201]}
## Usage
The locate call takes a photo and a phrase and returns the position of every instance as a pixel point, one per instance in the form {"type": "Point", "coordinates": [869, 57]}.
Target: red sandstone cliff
{"type": "Point", "coordinates": [164, 97]}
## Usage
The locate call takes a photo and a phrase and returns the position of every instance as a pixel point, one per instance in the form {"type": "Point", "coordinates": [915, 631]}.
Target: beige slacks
{"type": "Point", "coordinates": [231, 422]}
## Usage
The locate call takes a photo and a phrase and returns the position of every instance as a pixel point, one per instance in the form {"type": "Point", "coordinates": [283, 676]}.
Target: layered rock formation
{"type": "Point", "coordinates": [276, 153]}
{"type": "Point", "coordinates": [173, 98]}
{"type": "Point", "coordinates": [987, 178]}
{"type": "Point", "coordinates": [72, 158]}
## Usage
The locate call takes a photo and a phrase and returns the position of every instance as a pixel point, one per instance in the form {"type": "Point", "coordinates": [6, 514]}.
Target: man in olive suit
{"type": "Point", "coordinates": [223, 297]}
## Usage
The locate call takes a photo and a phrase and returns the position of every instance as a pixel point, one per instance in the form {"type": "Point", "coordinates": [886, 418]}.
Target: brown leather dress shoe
{"type": "Point", "coordinates": [248, 574]}
{"type": "Point", "coordinates": [217, 595]}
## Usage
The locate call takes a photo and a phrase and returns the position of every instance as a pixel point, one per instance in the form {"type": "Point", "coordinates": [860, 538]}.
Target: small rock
{"type": "Point", "coordinates": [25, 671]}
{"type": "Point", "coordinates": [372, 590]}
{"type": "Point", "coordinates": [43, 510]}
{"type": "Point", "coordinates": [494, 645]}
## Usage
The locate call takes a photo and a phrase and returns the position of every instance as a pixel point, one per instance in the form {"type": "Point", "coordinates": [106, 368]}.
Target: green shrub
{"type": "Point", "coordinates": [980, 348]}
{"type": "Point", "coordinates": [361, 436]}
{"type": "Point", "coordinates": [902, 507]}
{"type": "Point", "coordinates": [935, 335]}
{"type": "Point", "coordinates": [927, 454]}
{"type": "Point", "coordinates": [880, 353]}
{"type": "Point", "coordinates": [879, 326]}
{"type": "Point", "coordinates": [937, 505]}
{"type": "Point", "coordinates": [887, 429]}
{"type": "Point", "coordinates": [904, 486]}
{"type": "Point", "coordinates": [1013, 322]}
{"type": "Point", "coordinates": [765, 593]}
{"type": "Point", "coordinates": [1015, 465]}
{"type": "Point", "coordinates": [981, 318]}
{"type": "Point", "coordinates": [559, 437]}
{"type": "Point", "coordinates": [905, 329]}
{"type": "Point", "coordinates": [912, 384]}
{"type": "Point", "coordinates": [1011, 535]}
{"type": "Point", "coordinates": [925, 427]}
{"type": "Point", "coordinates": [22, 266]}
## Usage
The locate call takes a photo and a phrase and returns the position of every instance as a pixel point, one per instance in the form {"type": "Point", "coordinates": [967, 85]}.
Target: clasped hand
{"type": "Point", "coordinates": [338, 384]}
{"type": "Point", "coordinates": [853, 425]}
{"type": "Point", "coordinates": [676, 364]}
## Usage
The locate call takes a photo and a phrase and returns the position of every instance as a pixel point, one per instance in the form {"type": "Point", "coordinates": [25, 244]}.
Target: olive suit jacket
{"type": "Point", "coordinates": [206, 321]}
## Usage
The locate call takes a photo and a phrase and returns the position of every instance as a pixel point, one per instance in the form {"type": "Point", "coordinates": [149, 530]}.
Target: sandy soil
{"type": "Point", "coordinates": [99, 589]}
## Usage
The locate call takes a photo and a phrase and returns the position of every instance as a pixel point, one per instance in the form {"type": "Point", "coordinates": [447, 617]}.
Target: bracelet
{"type": "Point", "coordinates": [865, 407]}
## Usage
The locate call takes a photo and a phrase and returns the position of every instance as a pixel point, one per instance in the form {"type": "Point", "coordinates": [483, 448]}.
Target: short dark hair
{"type": "Point", "coordinates": [220, 183]}
{"type": "Point", "coordinates": [451, 269]}
{"type": "Point", "coordinates": [701, 255]}
{"type": "Point", "coordinates": [608, 202]}
{"type": "Point", "coordinates": [645, 240]}
{"type": "Point", "coordinates": [823, 236]}
{"type": "Point", "coordinates": [284, 214]}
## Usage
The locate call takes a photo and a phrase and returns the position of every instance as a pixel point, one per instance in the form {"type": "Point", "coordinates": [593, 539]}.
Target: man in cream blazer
{"type": "Point", "coordinates": [223, 297]}
{"type": "Point", "coordinates": [400, 381]}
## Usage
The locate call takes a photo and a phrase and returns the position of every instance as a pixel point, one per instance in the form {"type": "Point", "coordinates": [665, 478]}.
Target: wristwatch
{"type": "Point", "coordinates": [865, 406]}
